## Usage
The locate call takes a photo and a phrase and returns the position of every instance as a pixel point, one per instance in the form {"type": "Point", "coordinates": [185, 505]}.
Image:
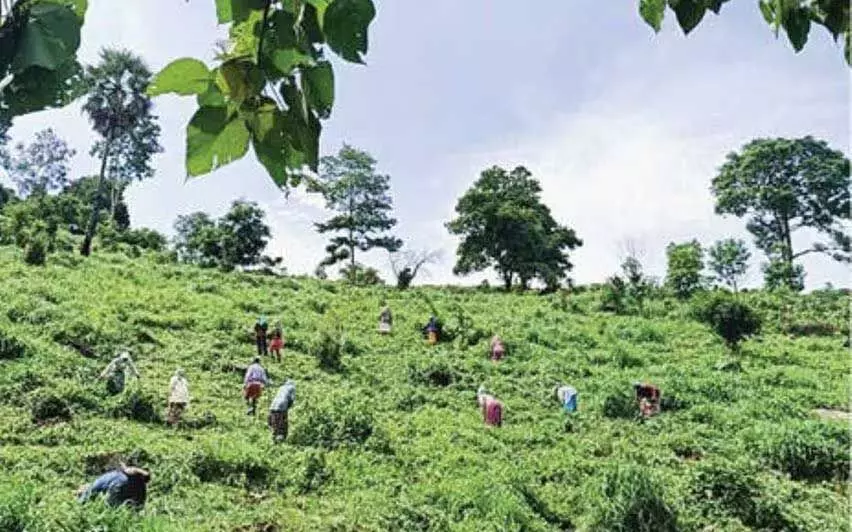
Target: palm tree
{"type": "Point", "coordinates": [120, 112]}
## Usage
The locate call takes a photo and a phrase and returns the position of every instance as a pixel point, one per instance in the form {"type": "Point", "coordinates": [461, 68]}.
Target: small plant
{"type": "Point", "coordinates": [11, 347]}
{"type": "Point", "coordinates": [328, 349]}
{"type": "Point", "coordinates": [631, 501]}
{"type": "Point", "coordinates": [138, 407]}
{"type": "Point", "coordinates": [814, 452]}
{"type": "Point", "coordinates": [620, 405]}
{"type": "Point", "coordinates": [729, 317]}
{"type": "Point", "coordinates": [35, 254]}
{"type": "Point", "coordinates": [50, 408]}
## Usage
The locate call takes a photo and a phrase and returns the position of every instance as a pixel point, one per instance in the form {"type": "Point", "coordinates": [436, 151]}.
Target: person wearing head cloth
{"type": "Point", "coordinates": [277, 343]}
{"type": "Point", "coordinates": [492, 409]}
{"type": "Point", "coordinates": [279, 411]}
{"type": "Point", "coordinates": [116, 373]}
{"type": "Point", "coordinates": [567, 397]}
{"type": "Point", "coordinates": [648, 397]}
{"type": "Point", "coordinates": [432, 330]}
{"type": "Point", "coordinates": [178, 397]}
{"type": "Point", "coordinates": [122, 486]}
{"type": "Point", "coordinates": [253, 383]}
{"type": "Point", "coordinates": [498, 349]}
{"type": "Point", "coordinates": [260, 328]}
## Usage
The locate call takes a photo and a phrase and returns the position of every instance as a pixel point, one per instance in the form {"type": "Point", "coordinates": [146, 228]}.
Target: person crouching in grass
{"type": "Point", "coordinates": [648, 397]}
{"type": "Point", "coordinates": [122, 486]}
{"type": "Point", "coordinates": [178, 397]}
{"type": "Point", "coordinates": [253, 384]}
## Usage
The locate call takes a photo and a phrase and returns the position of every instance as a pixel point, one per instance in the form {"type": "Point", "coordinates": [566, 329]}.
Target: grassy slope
{"type": "Point", "coordinates": [429, 462]}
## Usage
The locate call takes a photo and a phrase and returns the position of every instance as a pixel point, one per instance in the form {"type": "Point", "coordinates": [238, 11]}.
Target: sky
{"type": "Point", "coordinates": [624, 128]}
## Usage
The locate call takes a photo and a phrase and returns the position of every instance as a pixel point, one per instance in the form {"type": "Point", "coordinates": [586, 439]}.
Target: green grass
{"type": "Point", "coordinates": [393, 440]}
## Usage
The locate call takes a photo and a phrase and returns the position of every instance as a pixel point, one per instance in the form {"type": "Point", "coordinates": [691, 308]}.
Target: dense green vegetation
{"type": "Point", "coordinates": [385, 433]}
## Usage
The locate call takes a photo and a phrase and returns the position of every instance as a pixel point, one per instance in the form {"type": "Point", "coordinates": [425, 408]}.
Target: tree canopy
{"type": "Point", "coordinates": [361, 198]}
{"type": "Point", "coordinates": [685, 263]}
{"type": "Point", "coordinates": [42, 166]}
{"type": "Point", "coordinates": [729, 261]}
{"type": "Point", "coordinates": [784, 185]}
{"type": "Point", "coordinates": [504, 225]}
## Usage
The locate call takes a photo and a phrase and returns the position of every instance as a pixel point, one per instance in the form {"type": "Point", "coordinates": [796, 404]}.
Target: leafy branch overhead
{"type": "Point", "coordinates": [794, 16]}
{"type": "Point", "coordinates": [273, 85]}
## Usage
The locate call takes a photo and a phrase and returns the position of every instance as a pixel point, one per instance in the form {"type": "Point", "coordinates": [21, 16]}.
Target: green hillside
{"type": "Point", "coordinates": [393, 439]}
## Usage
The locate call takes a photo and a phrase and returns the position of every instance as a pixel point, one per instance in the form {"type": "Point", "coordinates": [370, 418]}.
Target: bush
{"type": "Point", "coordinates": [35, 253]}
{"type": "Point", "coordinates": [614, 295]}
{"type": "Point", "coordinates": [438, 374]}
{"type": "Point", "coordinates": [11, 347]}
{"type": "Point", "coordinates": [50, 408]}
{"type": "Point", "coordinates": [811, 329]}
{"type": "Point", "coordinates": [138, 407]}
{"type": "Point", "coordinates": [328, 349]}
{"type": "Point", "coordinates": [730, 318]}
{"type": "Point", "coordinates": [620, 405]}
{"type": "Point", "coordinates": [813, 452]}
{"type": "Point", "coordinates": [630, 502]}
{"type": "Point", "coordinates": [333, 427]}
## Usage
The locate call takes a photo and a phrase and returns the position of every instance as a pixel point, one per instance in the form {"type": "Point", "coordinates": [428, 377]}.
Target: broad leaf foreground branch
{"type": "Point", "coordinates": [274, 84]}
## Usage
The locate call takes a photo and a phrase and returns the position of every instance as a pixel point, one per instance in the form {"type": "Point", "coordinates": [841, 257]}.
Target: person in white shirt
{"type": "Point", "coordinates": [178, 397]}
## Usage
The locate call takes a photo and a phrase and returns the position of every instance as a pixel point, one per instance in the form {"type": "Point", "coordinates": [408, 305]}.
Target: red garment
{"type": "Point", "coordinates": [493, 412]}
{"type": "Point", "coordinates": [497, 352]}
{"type": "Point", "coordinates": [277, 344]}
{"type": "Point", "coordinates": [253, 390]}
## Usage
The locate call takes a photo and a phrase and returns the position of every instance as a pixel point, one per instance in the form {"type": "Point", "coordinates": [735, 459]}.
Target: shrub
{"type": "Point", "coordinates": [438, 374]}
{"type": "Point", "coordinates": [328, 349]}
{"type": "Point", "coordinates": [614, 295]}
{"type": "Point", "coordinates": [246, 472]}
{"type": "Point", "coordinates": [630, 502]}
{"type": "Point", "coordinates": [811, 452]}
{"type": "Point", "coordinates": [11, 347]}
{"type": "Point", "coordinates": [333, 427]}
{"type": "Point", "coordinates": [620, 405]}
{"type": "Point", "coordinates": [35, 253]}
{"type": "Point", "coordinates": [50, 408]}
{"type": "Point", "coordinates": [811, 329]}
{"type": "Point", "coordinates": [138, 407]}
{"type": "Point", "coordinates": [315, 474]}
{"type": "Point", "coordinates": [730, 318]}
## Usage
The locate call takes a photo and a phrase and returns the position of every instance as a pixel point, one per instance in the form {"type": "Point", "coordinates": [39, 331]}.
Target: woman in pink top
{"type": "Point", "coordinates": [492, 409]}
{"type": "Point", "coordinates": [497, 348]}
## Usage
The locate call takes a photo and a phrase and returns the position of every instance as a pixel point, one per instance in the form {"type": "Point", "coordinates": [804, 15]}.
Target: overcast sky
{"type": "Point", "coordinates": [623, 128]}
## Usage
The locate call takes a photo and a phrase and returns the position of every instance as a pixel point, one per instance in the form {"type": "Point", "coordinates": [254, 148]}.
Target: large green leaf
{"type": "Point", "coordinates": [240, 79]}
{"type": "Point", "coordinates": [797, 24]}
{"type": "Point", "coordinates": [236, 10]}
{"type": "Point", "coordinates": [318, 83]}
{"type": "Point", "coordinates": [182, 76]}
{"type": "Point", "coordinates": [286, 59]}
{"type": "Point", "coordinates": [689, 13]}
{"type": "Point", "coordinates": [345, 26]}
{"type": "Point", "coordinates": [270, 142]}
{"type": "Point", "coordinates": [653, 12]}
{"type": "Point", "coordinates": [767, 9]}
{"type": "Point", "coordinates": [216, 136]}
{"type": "Point", "coordinates": [320, 6]}
{"type": "Point", "coordinates": [78, 6]}
{"type": "Point", "coordinates": [49, 39]}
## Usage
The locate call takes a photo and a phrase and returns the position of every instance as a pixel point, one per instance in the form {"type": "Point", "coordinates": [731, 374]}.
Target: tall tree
{"type": "Point", "coordinates": [42, 166]}
{"type": "Point", "coordinates": [120, 112]}
{"type": "Point", "coordinates": [783, 185]}
{"type": "Point", "coordinates": [361, 197]}
{"type": "Point", "coordinates": [729, 261]}
{"type": "Point", "coordinates": [504, 225]}
{"type": "Point", "coordinates": [197, 240]}
{"type": "Point", "coordinates": [244, 234]}
{"type": "Point", "coordinates": [685, 263]}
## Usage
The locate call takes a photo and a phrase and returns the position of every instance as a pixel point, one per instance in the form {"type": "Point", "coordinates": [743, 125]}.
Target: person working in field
{"type": "Point", "coordinates": [492, 409]}
{"type": "Point", "coordinates": [253, 384]}
{"type": "Point", "coordinates": [432, 330]}
{"type": "Point", "coordinates": [385, 320]}
{"type": "Point", "coordinates": [277, 343]}
{"type": "Point", "coordinates": [648, 397]}
{"type": "Point", "coordinates": [278, 411]}
{"type": "Point", "coordinates": [125, 485]}
{"type": "Point", "coordinates": [178, 397]}
{"type": "Point", "coordinates": [498, 349]}
{"type": "Point", "coordinates": [116, 373]}
{"type": "Point", "coordinates": [260, 328]}
{"type": "Point", "coordinates": [567, 397]}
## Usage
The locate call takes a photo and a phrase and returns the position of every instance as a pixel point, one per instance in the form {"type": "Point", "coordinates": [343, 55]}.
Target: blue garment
{"type": "Point", "coordinates": [570, 404]}
{"type": "Point", "coordinates": [109, 483]}
{"type": "Point", "coordinates": [285, 398]}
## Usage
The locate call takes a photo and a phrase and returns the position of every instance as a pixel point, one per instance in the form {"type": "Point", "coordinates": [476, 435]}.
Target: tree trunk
{"type": "Point", "coordinates": [351, 231]}
{"type": "Point", "coordinates": [507, 281]}
{"type": "Point", "coordinates": [86, 247]}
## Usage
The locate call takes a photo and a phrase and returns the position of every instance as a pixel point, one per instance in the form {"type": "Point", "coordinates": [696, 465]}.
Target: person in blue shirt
{"type": "Point", "coordinates": [567, 397]}
{"type": "Point", "coordinates": [125, 485]}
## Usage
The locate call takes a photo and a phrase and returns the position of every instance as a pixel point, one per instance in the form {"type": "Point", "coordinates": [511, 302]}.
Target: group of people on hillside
{"type": "Point", "coordinates": [128, 485]}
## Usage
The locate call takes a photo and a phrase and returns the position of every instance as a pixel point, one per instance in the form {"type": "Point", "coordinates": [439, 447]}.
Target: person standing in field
{"type": "Point", "coordinates": [115, 373]}
{"type": "Point", "coordinates": [385, 320]}
{"type": "Point", "coordinates": [253, 383]}
{"type": "Point", "coordinates": [178, 397]}
{"type": "Point", "coordinates": [260, 328]}
{"type": "Point", "coordinates": [125, 485]}
{"type": "Point", "coordinates": [492, 409]}
{"type": "Point", "coordinates": [279, 411]}
{"type": "Point", "coordinates": [498, 349]}
{"type": "Point", "coordinates": [648, 397]}
{"type": "Point", "coordinates": [277, 343]}
{"type": "Point", "coordinates": [567, 397]}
